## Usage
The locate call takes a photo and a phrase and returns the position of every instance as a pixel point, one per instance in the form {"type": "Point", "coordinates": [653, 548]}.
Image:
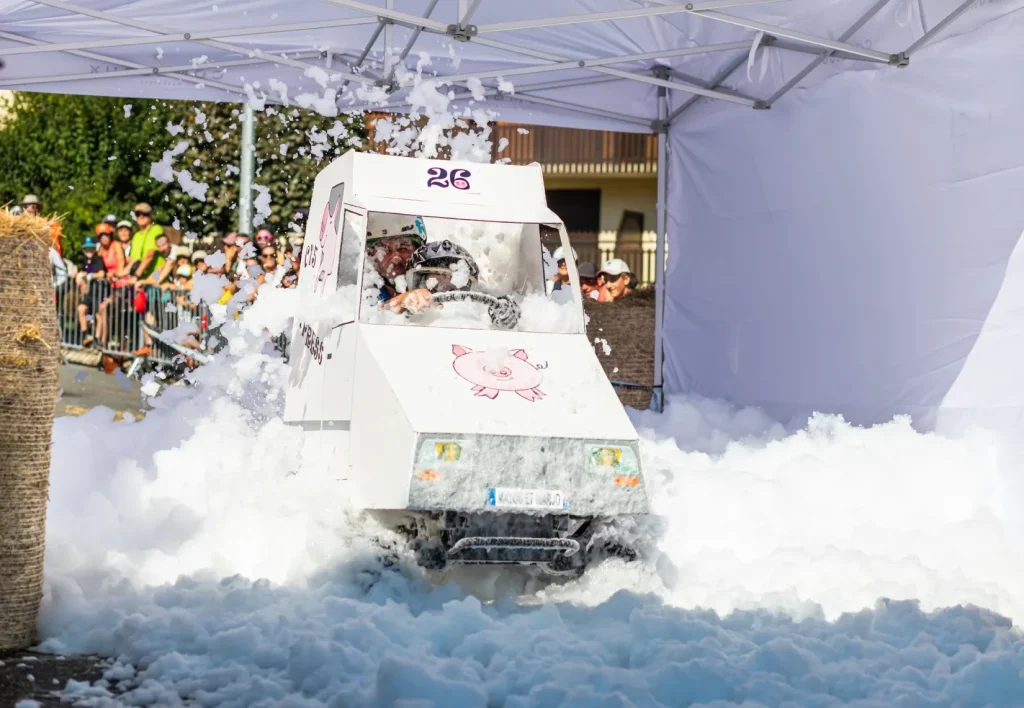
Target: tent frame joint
{"type": "Point", "coordinates": [900, 60]}
{"type": "Point", "coordinates": [659, 126]}
{"type": "Point", "coordinates": [461, 33]}
{"type": "Point", "coordinates": [762, 106]}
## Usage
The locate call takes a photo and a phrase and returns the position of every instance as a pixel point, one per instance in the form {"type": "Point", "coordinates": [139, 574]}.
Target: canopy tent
{"type": "Point", "coordinates": [849, 250]}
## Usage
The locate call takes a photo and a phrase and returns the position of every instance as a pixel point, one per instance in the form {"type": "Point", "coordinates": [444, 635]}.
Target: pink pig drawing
{"type": "Point", "coordinates": [494, 372]}
{"type": "Point", "coordinates": [329, 226]}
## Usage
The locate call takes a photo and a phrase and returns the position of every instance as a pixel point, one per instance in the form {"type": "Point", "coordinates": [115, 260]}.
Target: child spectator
{"type": "Point", "coordinates": [89, 279]}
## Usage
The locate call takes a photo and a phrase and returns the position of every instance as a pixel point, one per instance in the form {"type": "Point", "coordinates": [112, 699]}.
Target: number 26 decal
{"type": "Point", "coordinates": [438, 177]}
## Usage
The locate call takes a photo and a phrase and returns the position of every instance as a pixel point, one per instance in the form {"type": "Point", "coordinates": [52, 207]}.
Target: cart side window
{"type": "Point", "coordinates": [428, 271]}
{"type": "Point", "coordinates": [349, 263]}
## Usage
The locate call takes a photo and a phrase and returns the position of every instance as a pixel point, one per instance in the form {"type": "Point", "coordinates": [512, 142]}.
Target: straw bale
{"type": "Point", "coordinates": [29, 361]}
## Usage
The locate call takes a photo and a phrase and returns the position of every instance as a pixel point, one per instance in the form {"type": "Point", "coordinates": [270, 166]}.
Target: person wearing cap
{"type": "Point", "coordinates": [588, 280]}
{"type": "Point", "coordinates": [110, 219]}
{"type": "Point", "coordinates": [31, 205]}
{"type": "Point", "coordinates": [144, 250]}
{"type": "Point", "coordinates": [199, 261]}
{"type": "Point", "coordinates": [614, 276]}
{"type": "Point", "coordinates": [561, 277]}
{"type": "Point", "coordinates": [124, 237]}
{"type": "Point", "coordinates": [89, 277]}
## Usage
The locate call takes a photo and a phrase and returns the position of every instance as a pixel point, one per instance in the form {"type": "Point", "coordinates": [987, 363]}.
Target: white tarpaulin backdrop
{"type": "Point", "coordinates": [856, 248]}
{"type": "Point", "coordinates": [850, 250]}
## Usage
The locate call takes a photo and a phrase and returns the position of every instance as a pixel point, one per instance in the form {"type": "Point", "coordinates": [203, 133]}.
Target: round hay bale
{"type": "Point", "coordinates": [627, 325]}
{"type": "Point", "coordinates": [29, 362]}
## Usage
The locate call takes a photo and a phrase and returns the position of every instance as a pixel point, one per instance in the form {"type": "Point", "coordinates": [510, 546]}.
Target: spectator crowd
{"type": "Point", "coordinates": [612, 282]}
{"type": "Point", "coordinates": [130, 269]}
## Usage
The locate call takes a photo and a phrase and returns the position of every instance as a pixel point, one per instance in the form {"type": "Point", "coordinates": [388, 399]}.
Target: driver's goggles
{"type": "Point", "coordinates": [426, 278]}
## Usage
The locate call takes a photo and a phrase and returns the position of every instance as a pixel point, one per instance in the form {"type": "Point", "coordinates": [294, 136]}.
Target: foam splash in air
{"type": "Point", "coordinates": [466, 131]}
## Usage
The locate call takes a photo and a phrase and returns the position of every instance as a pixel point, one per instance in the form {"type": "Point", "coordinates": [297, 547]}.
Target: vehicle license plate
{"type": "Point", "coordinates": [526, 498]}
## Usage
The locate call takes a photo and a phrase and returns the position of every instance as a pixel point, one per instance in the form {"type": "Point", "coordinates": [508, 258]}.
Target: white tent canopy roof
{"type": "Point", "coordinates": [223, 51]}
{"type": "Point", "coordinates": [854, 249]}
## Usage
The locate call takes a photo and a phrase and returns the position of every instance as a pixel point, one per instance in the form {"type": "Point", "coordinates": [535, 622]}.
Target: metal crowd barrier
{"type": "Point", "coordinates": [115, 317]}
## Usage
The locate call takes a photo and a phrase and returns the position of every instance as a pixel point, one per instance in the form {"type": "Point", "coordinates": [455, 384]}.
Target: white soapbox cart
{"type": "Point", "coordinates": [482, 425]}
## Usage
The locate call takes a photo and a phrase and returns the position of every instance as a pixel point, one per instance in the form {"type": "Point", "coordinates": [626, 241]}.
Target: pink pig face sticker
{"type": "Point", "coordinates": [492, 372]}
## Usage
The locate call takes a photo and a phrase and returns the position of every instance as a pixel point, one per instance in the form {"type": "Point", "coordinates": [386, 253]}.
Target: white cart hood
{"type": "Point", "coordinates": [497, 383]}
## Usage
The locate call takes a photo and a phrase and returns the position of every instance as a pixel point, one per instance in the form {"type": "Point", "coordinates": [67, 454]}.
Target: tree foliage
{"type": "Point", "coordinates": [87, 156]}
{"type": "Point", "coordinates": [80, 155]}
{"type": "Point", "coordinates": [292, 145]}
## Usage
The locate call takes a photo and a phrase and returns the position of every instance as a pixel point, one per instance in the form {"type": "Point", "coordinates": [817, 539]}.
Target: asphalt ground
{"type": "Point", "coordinates": [84, 387]}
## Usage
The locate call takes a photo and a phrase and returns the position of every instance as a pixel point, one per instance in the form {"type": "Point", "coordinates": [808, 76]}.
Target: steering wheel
{"type": "Point", "coordinates": [503, 310]}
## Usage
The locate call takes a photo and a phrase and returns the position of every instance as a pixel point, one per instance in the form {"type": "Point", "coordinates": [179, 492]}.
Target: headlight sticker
{"type": "Point", "coordinates": [618, 460]}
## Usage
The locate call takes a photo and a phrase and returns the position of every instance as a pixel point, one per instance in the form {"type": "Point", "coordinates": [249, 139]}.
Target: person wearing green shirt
{"type": "Point", "coordinates": [144, 247]}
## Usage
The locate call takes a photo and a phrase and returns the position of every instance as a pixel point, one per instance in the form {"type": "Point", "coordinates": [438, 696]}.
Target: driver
{"type": "Point", "coordinates": [435, 267]}
{"type": "Point", "coordinates": [391, 240]}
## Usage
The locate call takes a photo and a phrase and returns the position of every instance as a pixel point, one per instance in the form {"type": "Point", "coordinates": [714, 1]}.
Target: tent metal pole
{"type": "Point", "coordinates": [401, 18]}
{"type": "Point", "coordinates": [132, 68]}
{"type": "Point", "coordinates": [872, 11]}
{"type": "Point", "coordinates": [580, 109]}
{"type": "Point", "coordinates": [515, 49]}
{"type": "Point", "coordinates": [366, 51]}
{"type": "Point", "coordinates": [658, 393]}
{"type": "Point", "coordinates": [663, 10]}
{"type": "Point", "coordinates": [389, 39]}
{"type": "Point", "coordinates": [390, 76]}
{"type": "Point", "coordinates": [807, 49]}
{"type": "Point", "coordinates": [797, 36]}
{"type": "Point", "coordinates": [146, 26]}
{"type": "Point", "coordinates": [789, 34]}
{"type": "Point", "coordinates": [466, 15]}
{"type": "Point", "coordinates": [489, 92]}
{"type": "Point", "coordinates": [602, 61]}
{"type": "Point", "coordinates": [248, 167]}
{"type": "Point", "coordinates": [943, 24]}
{"type": "Point", "coordinates": [187, 36]}
{"type": "Point", "coordinates": [714, 83]}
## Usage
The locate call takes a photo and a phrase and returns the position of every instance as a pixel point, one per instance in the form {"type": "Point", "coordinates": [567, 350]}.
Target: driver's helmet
{"type": "Point", "coordinates": [441, 266]}
{"type": "Point", "coordinates": [382, 226]}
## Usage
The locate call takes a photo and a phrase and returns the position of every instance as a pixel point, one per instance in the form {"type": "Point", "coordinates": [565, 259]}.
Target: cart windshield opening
{"type": "Point", "coordinates": [441, 272]}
